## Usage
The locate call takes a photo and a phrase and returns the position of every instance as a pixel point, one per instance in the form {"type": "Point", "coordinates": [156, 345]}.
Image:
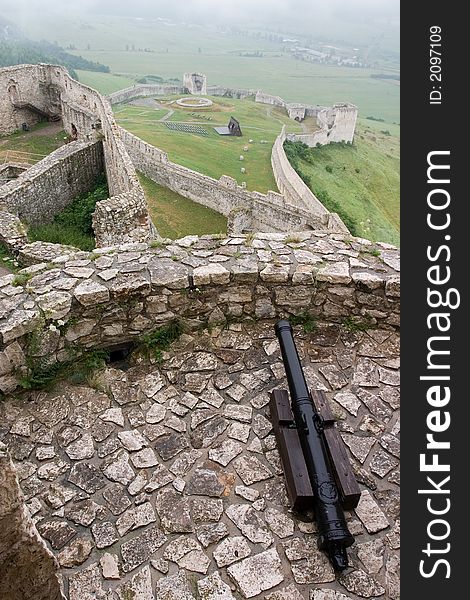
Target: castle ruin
{"type": "Point", "coordinates": [162, 479]}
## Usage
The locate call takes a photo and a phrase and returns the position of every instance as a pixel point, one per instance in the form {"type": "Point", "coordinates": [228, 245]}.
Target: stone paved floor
{"type": "Point", "coordinates": [163, 481]}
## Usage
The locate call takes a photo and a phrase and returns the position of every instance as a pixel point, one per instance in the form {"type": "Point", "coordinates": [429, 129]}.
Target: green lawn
{"type": "Point", "coordinates": [293, 80]}
{"type": "Point", "coordinates": [105, 83]}
{"type": "Point", "coordinates": [363, 179]}
{"type": "Point", "coordinates": [215, 155]}
{"type": "Point", "coordinates": [176, 217]}
{"type": "Point", "coordinates": [7, 261]}
{"type": "Point", "coordinates": [127, 113]}
{"type": "Point", "coordinates": [41, 140]}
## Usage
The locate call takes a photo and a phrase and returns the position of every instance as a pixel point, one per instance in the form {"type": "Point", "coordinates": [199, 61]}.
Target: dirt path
{"type": "Point", "coordinates": [49, 130]}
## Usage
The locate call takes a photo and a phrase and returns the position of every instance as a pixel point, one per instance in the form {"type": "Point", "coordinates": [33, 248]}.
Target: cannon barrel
{"type": "Point", "coordinates": [334, 535]}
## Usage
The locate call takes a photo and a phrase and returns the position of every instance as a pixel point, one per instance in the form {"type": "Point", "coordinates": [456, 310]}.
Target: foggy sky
{"type": "Point", "coordinates": [268, 11]}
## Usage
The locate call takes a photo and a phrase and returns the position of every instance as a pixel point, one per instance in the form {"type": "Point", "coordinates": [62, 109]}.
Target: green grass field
{"type": "Point", "coordinates": [40, 141]}
{"type": "Point", "coordinates": [135, 47]}
{"type": "Point", "coordinates": [105, 83]}
{"type": "Point", "coordinates": [175, 216]}
{"type": "Point", "coordinates": [363, 179]}
{"type": "Point", "coordinates": [215, 155]}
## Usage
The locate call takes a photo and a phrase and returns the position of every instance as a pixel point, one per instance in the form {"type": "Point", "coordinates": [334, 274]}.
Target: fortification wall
{"type": "Point", "coordinates": [295, 112]}
{"type": "Point", "coordinates": [45, 189]}
{"type": "Point", "coordinates": [269, 99]}
{"type": "Point", "coordinates": [265, 212]}
{"type": "Point", "coordinates": [319, 137]}
{"type": "Point", "coordinates": [144, 91]}
{"type": "Point", "coordinates": [104, 298]}
{"type": "Point", "coordinates": [221, 196]}
{"type": "Point", "coordinates": [123, 219]}
{"type": "Point", "coordinates": [344, 125]}
{"type": "Point", "coordinates": [28, 569]}
{"type": "Point", "coordinates": [87, 116]}
{"type": "Point", "coordinates": [296, 191]}
{"type": "Point", "coordinates": [239, 93]}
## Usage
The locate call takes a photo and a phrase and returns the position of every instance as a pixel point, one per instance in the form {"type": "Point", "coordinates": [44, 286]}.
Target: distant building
{"type": "Point", "coordinates": [233, 128]}
{"type": "Point", "coordinates": [195, 83]}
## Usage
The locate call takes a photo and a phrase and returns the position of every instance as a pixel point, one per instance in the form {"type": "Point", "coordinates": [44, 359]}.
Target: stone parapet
{"type": "Point", "coordinates": [115, 295]}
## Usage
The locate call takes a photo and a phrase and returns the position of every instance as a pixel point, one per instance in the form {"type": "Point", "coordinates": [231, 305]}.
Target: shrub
{"type": "Point", "coordinates": [159, 340]}
{"type": "Point", "coordinates": [43, 374]}
{"type": "Point", "coordinates": [306, 320]}
{"type": "Point", "coordinates": [73, 225]}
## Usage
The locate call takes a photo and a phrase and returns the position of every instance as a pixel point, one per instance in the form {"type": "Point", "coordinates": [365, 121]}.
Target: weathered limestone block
{"type": "Point", "coordinates": [168, 273]}
{"type": "Point", "coordinates": [28, 570]}
{"type": "Point", "coordinates": [18, 323]}
{"type": "Point", "coordinates": [337, 272]}
{"type": "Point", "coordinates": [392, 287]}
{"type": "Point", "coordinates": [212, 273]}
{"type": "Point", "coordinates": [90, 293]}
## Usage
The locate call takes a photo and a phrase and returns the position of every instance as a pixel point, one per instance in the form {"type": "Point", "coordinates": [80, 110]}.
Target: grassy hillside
{"type": "Point", "coordinates": [363, 179]}
{"type": "Point", "coordinates": [214, 155]}
{"type": "Point", "coordinates": [105, 83]}
{"type": "Point", "coordinates": [175, 216]}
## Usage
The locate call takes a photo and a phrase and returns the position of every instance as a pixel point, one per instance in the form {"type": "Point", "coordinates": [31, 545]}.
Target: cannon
{"type": "Point", "coordinates": [315, 463]}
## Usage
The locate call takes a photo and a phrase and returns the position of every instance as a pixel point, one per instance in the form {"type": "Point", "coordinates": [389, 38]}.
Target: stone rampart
{"type": "Point", "coordinates": [31, 92]}
{"type": "Point", "coordinates": [269, 99]}
{"type": "Point", "coordinates": [263, 212]}
{"type": "Point", "coordinates": [46, 188]}
{"type": "Point", "coordinates": [238, 93]}
{"type": "Point", "coordinates": [144, 90]}
{"type": "Point", "coordinates": [58, 308]}
{"type": "Point", "coordinates": [296, 191]}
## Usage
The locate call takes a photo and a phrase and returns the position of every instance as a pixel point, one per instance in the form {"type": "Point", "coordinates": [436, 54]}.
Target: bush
{"type": "Point", "coordinates": [42, 373]}
{"type": "Point", "coordinates": [155, 342]}
{"type": "Point", "coordinates": [80, 212]}
{"type": "Point", "coordinates": [334, 206]}
{"type": "Point", "coordinates": [329, 169]}
{"type": "Point", "coordinates": [73, 225]}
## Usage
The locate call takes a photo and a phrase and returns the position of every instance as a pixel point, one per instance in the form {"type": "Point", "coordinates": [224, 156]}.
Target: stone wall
{"type": "Point", "coordinates": [262, 212]}
{"type": "Point", "coordinates": [45, 189]}
{"type": "Point", "coordinates": [144, 91]}
{"type": "Point", "coordinates": [121, 218]}
{"type": "Point", "coordinates": [26, 96]}
{"type": "Point", "coordinates": [148, 90]}
{"type": "Point", "coordinates": [336, 124]}
{"type": "Point", "coordinates": [12, 232]}
{"type": "Point", "coordinates": [269, 99]}
{"type": "Point", "coordinates": [114, 296]}
{"type": "Point", "coordinates": [11, 170]}
{"type": "Point", "coordinates": [319, 137]}
{"type": "Point", "coordinates": [87, 116]}
{"type": "Point", "coordinates": [28, 570]}
{"type": "Point", "coordinates": [239, 93]}
{"type": "Point", "coordinates": [344, 123]}
{"type": "Point", "coordinates": [296, 191]}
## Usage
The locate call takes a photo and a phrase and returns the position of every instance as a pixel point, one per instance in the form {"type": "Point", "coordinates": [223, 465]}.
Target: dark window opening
{"type": "Point", "coordinates": [118, 356]}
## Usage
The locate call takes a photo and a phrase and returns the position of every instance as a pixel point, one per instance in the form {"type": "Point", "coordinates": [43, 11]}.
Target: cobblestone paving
{"type": "Point", "coordinates": [163, 480]}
